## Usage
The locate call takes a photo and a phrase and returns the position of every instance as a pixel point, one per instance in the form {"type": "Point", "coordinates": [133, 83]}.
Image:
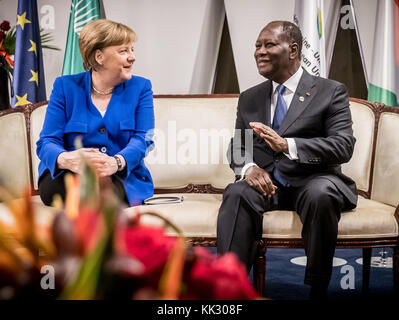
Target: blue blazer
{"type": "Point", "coordinates": [126, 129]}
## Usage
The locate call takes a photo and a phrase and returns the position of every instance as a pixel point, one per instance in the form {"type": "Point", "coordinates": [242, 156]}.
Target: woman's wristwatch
{"type": "Point", "coordinates": [118, 162]}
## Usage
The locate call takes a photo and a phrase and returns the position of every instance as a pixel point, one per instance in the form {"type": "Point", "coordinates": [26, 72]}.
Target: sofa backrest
{"type": "Point", "coordinates": [359, 167]}
{"type": "Point", "coordinates": [178, 157]}
{"type": "Point", "coordinates": [14, 152]}
{"type": "Point", "coordinates": [386, 169]}
{"type": "Point", "coordinates": [191, 146]}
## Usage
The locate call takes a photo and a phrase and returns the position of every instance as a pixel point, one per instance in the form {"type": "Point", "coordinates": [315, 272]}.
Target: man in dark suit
{"type": "Point", "coordinates": [301, 129]}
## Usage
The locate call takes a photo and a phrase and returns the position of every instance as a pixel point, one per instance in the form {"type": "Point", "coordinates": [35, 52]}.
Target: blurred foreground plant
{"type": "Point", "coordinates": [98, 252]}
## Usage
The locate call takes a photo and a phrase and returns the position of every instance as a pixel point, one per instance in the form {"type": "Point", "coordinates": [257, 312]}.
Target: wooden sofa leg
{"type": "Point", "coordinates": [366, 270]}
{"type": "Point", "coordinates": [395, 267]}
{"type": "Point", "coordinates": [259, 271]}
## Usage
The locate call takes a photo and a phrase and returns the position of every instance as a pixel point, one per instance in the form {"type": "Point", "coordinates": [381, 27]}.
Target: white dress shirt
{"type": "Point", "coordinates": [290, 87]}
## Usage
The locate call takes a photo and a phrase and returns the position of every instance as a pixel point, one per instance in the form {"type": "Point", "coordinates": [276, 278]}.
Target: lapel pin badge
{"type": "Point", "coordinates": [302, 99]}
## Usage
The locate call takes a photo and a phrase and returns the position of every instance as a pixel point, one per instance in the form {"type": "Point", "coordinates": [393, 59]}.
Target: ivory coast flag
{"type": "Point", "coordinates": [308, 17]}
{"type": "Point", "coordinates": [384, 76]}
{"type": "Point", "coordinates": [82, 12]}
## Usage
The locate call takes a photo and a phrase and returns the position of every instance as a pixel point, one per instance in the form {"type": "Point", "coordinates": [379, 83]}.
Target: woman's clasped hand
{"type": "Point", "coordinates": [103, 164]}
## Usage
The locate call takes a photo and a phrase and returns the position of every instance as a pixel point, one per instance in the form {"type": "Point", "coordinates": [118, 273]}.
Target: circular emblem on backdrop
{"type": "Point", "coordinates": [301, 261]}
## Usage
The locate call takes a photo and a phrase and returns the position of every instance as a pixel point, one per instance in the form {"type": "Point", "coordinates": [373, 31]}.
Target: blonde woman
{"type": "Point", "coordinates": [109, 108]}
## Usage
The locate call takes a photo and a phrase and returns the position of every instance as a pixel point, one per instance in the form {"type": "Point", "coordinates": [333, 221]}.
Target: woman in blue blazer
{"type": "Point", "coordinates": [109, 108]}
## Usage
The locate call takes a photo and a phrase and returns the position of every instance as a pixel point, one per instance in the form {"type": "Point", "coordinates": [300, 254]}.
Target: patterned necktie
{"type": "Point", "coordinates": [279, 114]}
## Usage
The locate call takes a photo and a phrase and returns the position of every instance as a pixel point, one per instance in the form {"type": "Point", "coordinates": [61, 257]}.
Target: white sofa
{"type": "Point", "coordinates": [191, 137]}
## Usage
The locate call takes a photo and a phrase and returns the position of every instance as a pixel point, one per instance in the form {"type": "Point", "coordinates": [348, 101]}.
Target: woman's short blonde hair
{"type": "Point", "coordinates": [100, 34]}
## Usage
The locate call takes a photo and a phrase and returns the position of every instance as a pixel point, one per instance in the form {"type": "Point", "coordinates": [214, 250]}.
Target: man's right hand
{"type": "Point", "coordinates": [260, 180]}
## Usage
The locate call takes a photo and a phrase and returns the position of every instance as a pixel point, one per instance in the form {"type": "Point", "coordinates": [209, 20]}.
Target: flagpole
{"type": "Point", "coordinates": [308, 17]}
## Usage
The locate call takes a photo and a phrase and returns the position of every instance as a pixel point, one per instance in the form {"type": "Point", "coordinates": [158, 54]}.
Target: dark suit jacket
{"type": "Point", "coordinates": [319, 120]}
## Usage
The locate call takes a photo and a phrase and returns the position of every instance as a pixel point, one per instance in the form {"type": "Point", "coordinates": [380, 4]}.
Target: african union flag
{"type": "Point", "coordinates": [308, 17]}
{"type": "Point", "coordinates": [28, 80]}
{"type": "Point", "coordinates": [82, 12]}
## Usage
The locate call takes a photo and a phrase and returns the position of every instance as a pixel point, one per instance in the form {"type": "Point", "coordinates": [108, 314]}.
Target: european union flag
{"type": "Point", "coordinates": [28, 80]}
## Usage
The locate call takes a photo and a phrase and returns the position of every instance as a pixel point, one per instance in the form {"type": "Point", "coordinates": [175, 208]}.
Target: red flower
{"type": "Point", "coordinates": [5, 25]}
{"type": "Point", "coordinates": [224, 278]}
{"type": "Point", "coordinates": [204, 256]}
{"type": "Point", "coordinates": [2, 35]}
{"type": "Point", "coordinates": [90, 227]}
{"type": "Point", "coordinates": [206, 276]}
{"type": "Point", "coordinates": [150, 245]}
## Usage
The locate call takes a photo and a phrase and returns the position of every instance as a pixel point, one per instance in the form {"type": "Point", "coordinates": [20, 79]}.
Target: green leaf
{"type": "Point", "coordinates": [85, 285]}
{"type": "Point", "coordinates": [46, 37]}
{"type": "Point", "coordinates": [9, 41]}
{"type": "Point", "coordinates": [51, 48]}
{"type": "Point", "coordinates": [89, 187]}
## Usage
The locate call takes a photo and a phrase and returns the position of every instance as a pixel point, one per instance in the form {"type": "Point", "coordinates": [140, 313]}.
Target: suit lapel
{"type": "Point", "coordinates": [264, 101]}
{"type": "Point", "coordinates": [303, 95]}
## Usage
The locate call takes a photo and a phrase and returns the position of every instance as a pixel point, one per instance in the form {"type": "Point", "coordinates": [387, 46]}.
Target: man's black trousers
{"type": "Point", "coordinates": [319, 204]}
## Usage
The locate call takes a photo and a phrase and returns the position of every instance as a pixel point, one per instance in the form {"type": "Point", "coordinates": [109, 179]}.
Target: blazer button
{"type": "Point", "coordinates": [103, 149]}
{"type": "Point", "coordinates": [102, 130]}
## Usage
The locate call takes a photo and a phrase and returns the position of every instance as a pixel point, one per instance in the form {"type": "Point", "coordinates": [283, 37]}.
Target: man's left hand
{"type": "Point", "coordinates": [277, 143]}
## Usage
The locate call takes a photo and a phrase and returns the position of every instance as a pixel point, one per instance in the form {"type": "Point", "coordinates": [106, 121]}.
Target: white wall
{"type": "Point", "coordinates": [178, 40]}
{"type": "Point", "coordinates": [246, 19]}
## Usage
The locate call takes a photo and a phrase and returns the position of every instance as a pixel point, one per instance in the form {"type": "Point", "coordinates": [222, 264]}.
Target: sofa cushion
{"type": "Point", "coordinates": [358, 168]}
{"type": "Point", "coordinates": [196, 216]}
{"type": "Point", "coordinates": [44, 215]}
{"type": "Point", "coordinates": [190, 146]}
{"type": "Point", "coordinates": [14, 155]}
{"type": "Point", "coordinates": [386, 167]}
{"type": "Point", "coordinates": [370, 219]}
